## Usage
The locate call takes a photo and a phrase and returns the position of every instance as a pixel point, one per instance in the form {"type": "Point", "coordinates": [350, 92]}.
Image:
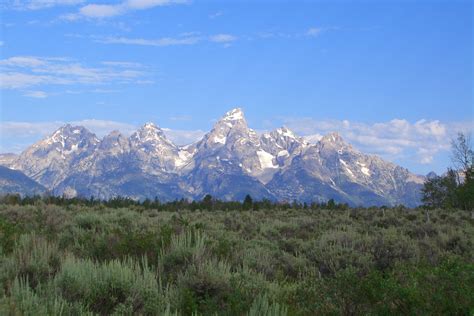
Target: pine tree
{"type": "Point", "coordinates": [248, 203]}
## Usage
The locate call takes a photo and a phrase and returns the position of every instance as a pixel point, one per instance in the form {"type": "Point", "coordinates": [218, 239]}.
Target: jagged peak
{"type": "Point", "coordinates": [150, 129]}
{"type": "Point", "coordinates": [333, 137]}
{"type": "Point", "coordinates": [114, 135]}
{"type": "Point", "coordinates": [150, 125]}
{"type": "Point", "coordinates": [68, 131]}
{"type": "Point", "coordinates": [234, 115]}
{"type": "Point", "coordinates": [232, 119]}
{"type": "Point", "coordinates": [285, 131]}
{"type": "Point", "coordinates": [150, 132]}
{"type": "Point", "coordinates": [112, 139]}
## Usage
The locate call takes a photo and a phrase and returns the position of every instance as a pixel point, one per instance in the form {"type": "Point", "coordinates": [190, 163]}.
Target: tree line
{"type": "Point", "coordinates": [208, 203]}
{"type": "Point", "coordinates": [454, 189]}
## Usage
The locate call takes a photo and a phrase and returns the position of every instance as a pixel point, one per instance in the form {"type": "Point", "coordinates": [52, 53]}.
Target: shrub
{"type": "Point", "coordinates": [26, 301]}
{"type": "Point", "coordinates": [184, 249]}
{"type": "Point", "coordinates": [115, 286]}
{"type": "Point", "coordinates": [262, 307]}
{"type": "Point", "coordinates": [33, 259]}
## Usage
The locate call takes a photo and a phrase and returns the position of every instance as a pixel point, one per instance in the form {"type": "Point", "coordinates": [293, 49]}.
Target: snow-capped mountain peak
{"type": "Point", "coordinates": [284, 131]}
{"type": "Point", "coordinates": [49, 160]}
{"type": "Point", "coordinates": [334, 141]}
{"type": "Point", "coordinates": [234, 115]}
{"type": "Point", "coordinates": [69, 138]}
{"type": "Point", "coordinates": [334, 138]}
{"type": "Point", "coordinates": [229, 161]}
{"type": "Point", "coordinates": [282, 143]}
{"type": "Point", "coordinates": [232, 119]}
{"type": "Point", "coordinates": [150, 134]}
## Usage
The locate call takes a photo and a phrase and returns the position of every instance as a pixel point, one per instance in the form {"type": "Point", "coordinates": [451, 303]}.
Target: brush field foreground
{"type": "Point", "coordinates": [77, 260]}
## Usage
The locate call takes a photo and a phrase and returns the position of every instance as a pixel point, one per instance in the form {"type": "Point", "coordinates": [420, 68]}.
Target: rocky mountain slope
{"type": "Point", "coordinates": [229, 162]}
{"type": "Point", "coordinates": [14, 181]}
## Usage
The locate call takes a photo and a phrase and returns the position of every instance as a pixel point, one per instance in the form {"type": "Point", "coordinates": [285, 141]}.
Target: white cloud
{"type": "Point", "coordinates": [36, 94]}
{"type": "Point", "coordinates": [165, 41]}
{"type": "Point", "coordinates": [104, 127]}
{"type": "Point", "coordinates": [16, 80]}
{"type": "Point", "coordinates": [420, 141]}
{"type": "Point", "coordinates": [124, 64]}
{"type": "Point", "coordinates": [101, 11]}
{"type": "Point", "coordinates": [190, 38]}
{"type": "Point", "coordinates": [18, 130]}
{"type": "Point", "coordinates": [21, 72]}
{"type": "Point", "coordinates": [314, 31]}
{"type": "Point", "coordinates": [147, 4]}
{"type": "Point", "coordinates": [216, 14]}
{"type": "Point", "coordinates": [313, 138]}
{"type": "Point", "coordinates": [181, 118]}
{"type": "Point", "coordinates": [222, 38]}
{"type": "Point", "coordinates": [183, 137]}
{"type": "Point", "coordinates": [43, 4]}
{"type": "Point", "coordinates": [23, 61]}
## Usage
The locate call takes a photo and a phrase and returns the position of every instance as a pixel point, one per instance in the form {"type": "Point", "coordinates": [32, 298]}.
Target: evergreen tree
{"type": "Point", "coordinates": [331, 204]}
{"type": "Point", "coordinates": [248, 203]}
{"type": "Point", "coordinates": [207, 202]}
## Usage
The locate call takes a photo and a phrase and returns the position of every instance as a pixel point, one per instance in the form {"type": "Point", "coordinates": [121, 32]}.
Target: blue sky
{"type": "Point", "coordinates": [393, 77]}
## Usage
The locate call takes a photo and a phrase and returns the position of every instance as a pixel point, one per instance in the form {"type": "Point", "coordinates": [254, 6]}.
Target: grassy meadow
{"type": "Point", "coordinates": [98, 260]}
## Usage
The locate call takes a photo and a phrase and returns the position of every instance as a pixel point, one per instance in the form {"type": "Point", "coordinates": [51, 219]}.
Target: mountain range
{"type": "Point", "coordinates": [229, 162]}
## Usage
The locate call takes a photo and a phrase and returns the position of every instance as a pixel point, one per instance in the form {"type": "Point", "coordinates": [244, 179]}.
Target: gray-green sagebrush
{"type": "Point", "coordinates": [76, 260]}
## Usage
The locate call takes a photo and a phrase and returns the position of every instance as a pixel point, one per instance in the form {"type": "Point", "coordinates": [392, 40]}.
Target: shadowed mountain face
{"type": "Point", "coordinates": [229, 162]}
{"type": "Point", "coordinates": [14, 181]}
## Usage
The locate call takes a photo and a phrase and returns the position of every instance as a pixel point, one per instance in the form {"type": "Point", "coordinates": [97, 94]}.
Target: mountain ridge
{"type": "Point", "coordinates": [229, 161]}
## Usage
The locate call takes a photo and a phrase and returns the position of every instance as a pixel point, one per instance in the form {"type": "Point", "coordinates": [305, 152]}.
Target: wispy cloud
{"type": "Point", "coordinates": [222, 38]}
{"type": "Point", "coordinates": [42, 4]}
{"type": "Point", "coordinates": [36, 94]}
{"type": "Point", "coordinates": [396, 139]}
{"type": "Point", "coordinates": [102, 11]}
{"type": "Point", "coordinates": [183, 137]}
{"type": "Point", "coordinates": [181, 118]}
{"type": "Point", "coordinates": [104, 127]}
{"type": "Point", "coordinates": [123, 64]}
{"type": "Point", "coordinates": [311, 32]}
{"type": "Point", "coordinates": [216, 14]}
{"type": "Point", "coordinates": [20, 72]}
{"type": "Point", "coordinates": [165, 41]}
{"type": "Point", "coordinates": [191, 38]}
{"type": "Point", "coordinates": [314, 31]}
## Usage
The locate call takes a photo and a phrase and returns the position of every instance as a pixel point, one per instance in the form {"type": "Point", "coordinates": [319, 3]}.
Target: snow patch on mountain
{"type": "Point", "coordinates": [233, 115]}
{"type": "Point", "coordinates": [184, 157]}
{"type": "Point", "coordinates": [220, 139]}
{"type": "Point", "coordinates": [266, 159]}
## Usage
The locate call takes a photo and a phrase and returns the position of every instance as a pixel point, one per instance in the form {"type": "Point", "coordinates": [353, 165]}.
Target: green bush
{"type": "Point", "coordinates": [33, 259]}
{"type": "Point", "coordinates": [116, 286]}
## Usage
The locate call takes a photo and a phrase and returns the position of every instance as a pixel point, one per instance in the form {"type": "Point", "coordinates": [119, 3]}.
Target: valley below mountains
{"type": "Point", "coordinates": [229, 162]}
